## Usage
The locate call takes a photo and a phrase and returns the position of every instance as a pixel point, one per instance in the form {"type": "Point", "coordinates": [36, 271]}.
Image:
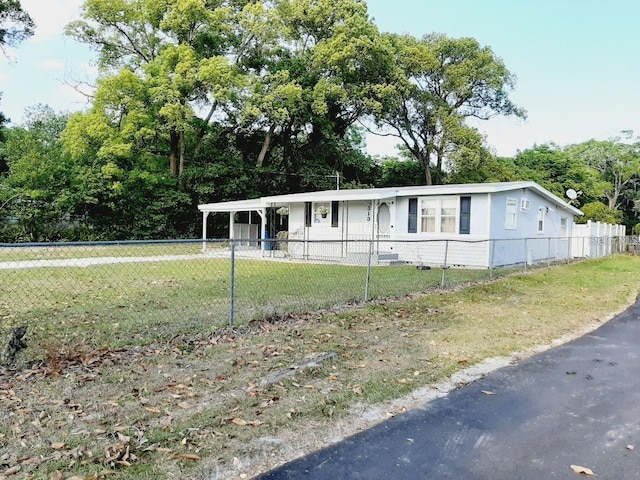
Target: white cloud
{"type": "Point", "coordinates": [51, 16]}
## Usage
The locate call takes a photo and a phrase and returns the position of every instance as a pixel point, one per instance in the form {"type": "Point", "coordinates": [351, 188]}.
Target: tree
{"type": "Point", "coordinates": [618, 164]}
{"type": "Point", "coordinates": [440, 83]}
{"type": "Point", "coordinates": [289, 78]}
{"type": "Point", "coordinates": [396, 172]}
{"type": "Point", "coordinates": [37, 188]}
{"type": "Point", "coordinates": [558, 170]}
{"type": "Point", "coordinates": [324, 73]}
{"type": "Point", "coordinates": [599, 212]}
{"type": "Point", "coordinates": [15, 24]}
{"type": "Point", "coordinates": [179, 54]}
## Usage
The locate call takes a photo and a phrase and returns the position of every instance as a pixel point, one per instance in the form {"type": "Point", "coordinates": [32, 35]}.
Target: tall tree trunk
{"type": "Point", "coordinates": [427, 176]}
{"type": "Point", "coordinates": [424, 162]}
{"type": "Point", "coordinates": [174, 152]}
{"type": "Point", "coordinates": [182, 147]}
{"type": "Point", "coordinates": [265, 146]}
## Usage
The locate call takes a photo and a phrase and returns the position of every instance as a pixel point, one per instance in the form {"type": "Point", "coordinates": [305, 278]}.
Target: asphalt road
{"type": "Point", "coordinates": [576, 404]}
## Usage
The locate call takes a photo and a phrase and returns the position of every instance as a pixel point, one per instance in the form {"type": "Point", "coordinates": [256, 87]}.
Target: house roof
{"type": "Point", "coordinates": [384, 193]}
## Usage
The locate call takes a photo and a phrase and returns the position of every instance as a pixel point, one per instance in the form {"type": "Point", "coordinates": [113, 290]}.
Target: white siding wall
{"type": "Point", "coordinates": [357, 223]}
{"type": "Point", "coordinates": [551, 242]}
{"type": "Point", "coordinates": [458, 253]}
{"type": "Point", "coordinates": [432, 252]}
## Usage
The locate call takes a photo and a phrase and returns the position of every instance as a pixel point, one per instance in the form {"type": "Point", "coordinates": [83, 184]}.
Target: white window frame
{"type": "Point", "coordinates": [542, 211]}
{"type": "Point", "coordinates": [511, 214]}
{"type": "Point", "coordinates": [437, 204]}
{"type": "Point", "coordinates": [524, 204]}
{"type": "Point", "coordinates": [449, 204]}
{"type": "Point", "coordinates": [564, 226]}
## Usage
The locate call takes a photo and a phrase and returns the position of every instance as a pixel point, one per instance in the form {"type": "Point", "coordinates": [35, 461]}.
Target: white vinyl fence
{"type": "Point", "coordinates": [596, 240]}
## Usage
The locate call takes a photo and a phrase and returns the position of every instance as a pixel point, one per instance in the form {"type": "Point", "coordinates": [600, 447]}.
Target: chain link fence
{"type": "Point", "coordinates": [123, 294]}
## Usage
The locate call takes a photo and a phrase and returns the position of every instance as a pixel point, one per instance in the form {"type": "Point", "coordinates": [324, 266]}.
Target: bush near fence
{"type": "Point", "coordinates": [116, 294]}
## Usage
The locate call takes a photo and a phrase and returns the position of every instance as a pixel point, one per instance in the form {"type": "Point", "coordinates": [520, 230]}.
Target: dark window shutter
{"type": "Point", "coordinates": [413, 216]}
{"type": "Point", "coordinates": [307, 214]}
{"type": "Point", "coordinates": [335, 213]}
{"type": "Point", "coordinates": [465, 215]}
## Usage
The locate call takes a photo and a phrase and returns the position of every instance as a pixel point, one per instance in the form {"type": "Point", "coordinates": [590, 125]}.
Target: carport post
{"type": "Point", "coordinates": [204, 231]}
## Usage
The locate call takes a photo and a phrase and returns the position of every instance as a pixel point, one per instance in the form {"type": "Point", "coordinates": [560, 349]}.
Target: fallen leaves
{"type": "Point", "coordinates": [582, 470]}
{"type": "Point", "coordinates": [185, 456]}
{"type": "Point", "coordinates": [243, 423]}
{"type": "Point", "coordinates": [12, 471]}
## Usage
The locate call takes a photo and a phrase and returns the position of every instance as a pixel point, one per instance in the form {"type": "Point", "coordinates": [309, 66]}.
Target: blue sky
{"type": "Point", "coordinates": [576, 62]}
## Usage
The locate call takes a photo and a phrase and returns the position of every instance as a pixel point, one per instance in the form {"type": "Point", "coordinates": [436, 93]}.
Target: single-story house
{"type": "Point", "coordinates": [479, 225]}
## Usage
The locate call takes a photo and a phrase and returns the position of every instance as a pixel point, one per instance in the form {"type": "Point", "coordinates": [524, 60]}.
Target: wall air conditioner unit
{"type": "Point", "coordinates": [524, 204]}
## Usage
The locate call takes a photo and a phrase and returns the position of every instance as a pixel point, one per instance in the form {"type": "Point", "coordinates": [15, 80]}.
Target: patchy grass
{"type": "Point", "coordinates": [197, 406]}
{"type": "Point", "coordinates": [135, 304]}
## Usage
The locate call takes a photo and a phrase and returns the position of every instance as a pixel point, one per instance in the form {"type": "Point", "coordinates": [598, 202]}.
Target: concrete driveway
{"type": "Point", "coordinates": [576, 404]}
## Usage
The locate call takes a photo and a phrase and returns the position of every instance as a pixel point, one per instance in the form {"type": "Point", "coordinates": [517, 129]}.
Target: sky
{"type": "Point", "coordinates": [576, 62]}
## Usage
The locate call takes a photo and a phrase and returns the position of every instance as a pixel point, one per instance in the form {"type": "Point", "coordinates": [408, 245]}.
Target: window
{"type": "Point", "coordinates": [563, 226]}
{"type": "Point", "coordinates": [524, 204]}
{"type": "Point", "coordinates": [335, 213]}
{"type": "Point", "coordinates": [448, 215]}
{"type": "Point", "coordinates": [412, 227]}
{"type": "Point", "coordinates": [511, 216]}
{"type": "Point", "coordinates": [428, 210]}
{"type": "Point", "coordinates": [465, 215]}
{"type": "Point", "coordinates": [436, 215]}
{"type": "Point", "coordinates": [541, 213]}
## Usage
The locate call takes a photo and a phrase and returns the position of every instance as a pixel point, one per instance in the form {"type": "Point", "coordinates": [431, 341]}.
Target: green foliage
{"type": "Point", "coordinates": [204, 101]}
{"type": "Point", "coordinates": [617, 163]}
{"type": "Point", "coordinates": [599, 212]}
{"type": "Point", "coordinates": [557, 170]}
{"type": "Point", "coordinates": [36, 191]}
{"type": "Point", "coordinates": [399, 173]}
{"type": "Point", "coordinates": [15, 24]}
{"type": "Point", "coordinates": [439, 83]}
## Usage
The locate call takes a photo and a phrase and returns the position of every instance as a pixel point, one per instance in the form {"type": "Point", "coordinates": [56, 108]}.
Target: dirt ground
{"type": "Point", "coordinates": [230, 404]}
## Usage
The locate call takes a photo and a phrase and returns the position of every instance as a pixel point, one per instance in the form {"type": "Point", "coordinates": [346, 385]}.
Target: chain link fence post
{"type": "Point", "coordinates": [232, 287]}
{"type": "Point", "coordinates": [444, 266]}
{"type": "Point", "coordinates": [368, 279]}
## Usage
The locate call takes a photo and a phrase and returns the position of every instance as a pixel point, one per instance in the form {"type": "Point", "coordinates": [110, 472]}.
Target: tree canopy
{"type": "Point", "coordinates": [211, 100]}
{"type": "Point", "coordinates": [440, 82]}
{"type": "Point", "coordinates": [15, 24]}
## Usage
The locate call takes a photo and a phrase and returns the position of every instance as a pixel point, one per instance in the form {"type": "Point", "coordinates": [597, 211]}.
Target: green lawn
{"type": "Point", "coordinates": [139, 303]}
